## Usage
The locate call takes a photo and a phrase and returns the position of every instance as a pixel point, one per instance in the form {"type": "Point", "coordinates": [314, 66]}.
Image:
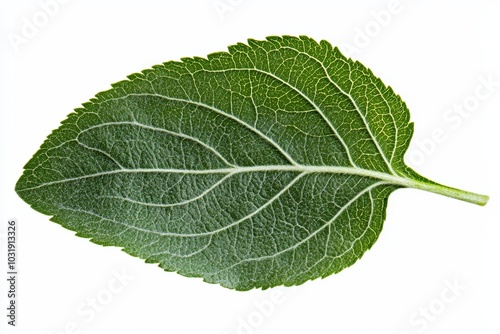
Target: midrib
{"type": "Point", "coordinates": [237, 170]}
{"type": "Point", "coordinates": [387, 178]}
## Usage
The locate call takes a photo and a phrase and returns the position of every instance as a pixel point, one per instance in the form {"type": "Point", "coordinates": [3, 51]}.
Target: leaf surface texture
{"type": "Point", "coordinates": [267, 165]}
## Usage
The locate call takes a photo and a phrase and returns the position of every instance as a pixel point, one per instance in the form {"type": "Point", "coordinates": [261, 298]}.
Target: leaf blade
{"type": "Point", "coordinates": [271, 164]}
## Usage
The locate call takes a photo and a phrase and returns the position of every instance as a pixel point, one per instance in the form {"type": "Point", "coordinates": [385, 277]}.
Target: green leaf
{"type": "Point", "coordinates": [267, 165]}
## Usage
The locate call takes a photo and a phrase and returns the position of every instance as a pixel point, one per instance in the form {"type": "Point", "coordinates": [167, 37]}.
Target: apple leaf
{"type": "Point", "coordinates": [267, 165]}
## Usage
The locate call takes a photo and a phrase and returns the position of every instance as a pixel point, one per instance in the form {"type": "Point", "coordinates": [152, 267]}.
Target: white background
{"type": "Point", "coordinates": [434, 55]}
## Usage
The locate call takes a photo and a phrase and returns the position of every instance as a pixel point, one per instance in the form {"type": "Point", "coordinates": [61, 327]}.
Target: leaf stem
{"type": "Point", "coordinates": [455, 193]}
